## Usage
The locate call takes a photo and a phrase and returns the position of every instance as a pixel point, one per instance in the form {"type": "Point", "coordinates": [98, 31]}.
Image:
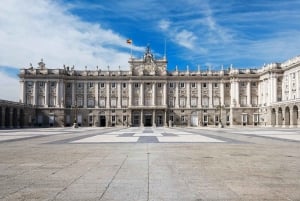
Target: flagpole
{"type": "Point", "coordinates": [129, 41]}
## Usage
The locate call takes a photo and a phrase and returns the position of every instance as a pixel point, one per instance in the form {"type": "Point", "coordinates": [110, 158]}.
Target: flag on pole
{"type": "Point", "coordinates": [129, 41]}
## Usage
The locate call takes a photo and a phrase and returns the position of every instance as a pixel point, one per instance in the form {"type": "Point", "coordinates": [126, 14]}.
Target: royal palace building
{"type": "Point", "coordinates": [149, 95]}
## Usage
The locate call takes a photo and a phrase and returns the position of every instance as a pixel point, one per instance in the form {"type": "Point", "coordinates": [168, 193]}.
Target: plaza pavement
{"type": "Point", "coordinates": [159, 164]}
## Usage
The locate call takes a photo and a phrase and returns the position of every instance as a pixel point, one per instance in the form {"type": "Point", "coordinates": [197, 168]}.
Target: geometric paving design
{"type": "Point", "coordinates": [148, 135]}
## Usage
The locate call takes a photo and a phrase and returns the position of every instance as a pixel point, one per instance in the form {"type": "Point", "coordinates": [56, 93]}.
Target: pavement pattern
{"type": "Point", "coordinates": [156, 164]}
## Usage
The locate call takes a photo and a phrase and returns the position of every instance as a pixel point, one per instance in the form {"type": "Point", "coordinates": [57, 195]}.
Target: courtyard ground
{"type": "Point", "coordinates": [157, 164]}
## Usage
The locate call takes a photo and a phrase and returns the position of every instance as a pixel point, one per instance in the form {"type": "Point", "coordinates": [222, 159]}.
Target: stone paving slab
{"type": "Point", "coordinates": [239, 167]}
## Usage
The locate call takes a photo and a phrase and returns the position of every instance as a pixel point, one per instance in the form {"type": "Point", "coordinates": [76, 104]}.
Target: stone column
{"type": "Point", "coordinates": [129, 94]}
{"type": "Point", "coordinates": [237, 92]}
{"type": "Point", "coordinates": [34, 93]}
{"type": "Point", "coordinates": [107, 85]}
{"type": "Point", "coordinates": [153, 93]}
{"type": "Point", "coordinates": [210, 92]}
{"type": "Point", "coordinates": [298, 122]}
{"type": "Point", "coordinates": [85, 94]}
{"type": "Point", "coordinates": [142, 119]}
{"type": "Point", "coordinates": [142, 94]}
{"type": "Point", "coordinates": [57, 90]}
{"type": "Point", "coordinates": [275, 89]}
{"type": "Point", "coordinates": [249, 93]}
{"type": "Point", "coordinates": [73, 94]}
{"type": "Point", "coordinates": [177, 95]}
{"type": "Point", "coordinates": [297, 85]}
{"type": "Point", "coordinates": [119, 94]}
{"type": "Point", "coordinates": [188, 95]}
{"type": "Point", "coordinates": [11, 117]}
{"type": "Point", "coordinates": [96, 94]}
{"type": "Point", "coordinates": [62, 94]}
{"type": "Point", "coordinates": [199, 95]}
{"type": "Point", "coordinates": [222, 100]}
{"type": "Point", "coordinates": [18, 118]}
{"type": "Point", "coordinates": [165, 118]}
{"type": "Point", "coordinates": [22, 91]}
{"type": "Point", "coordinates": [47, 93]}
{"type": "Point", "coordinates": [3, 118]}
{"type": "Point", "coordinates": [153, 119]}
{"type": "Point", "coordinates": [232, 93]}
{"type": "Point", "coordinates": [165, 94]}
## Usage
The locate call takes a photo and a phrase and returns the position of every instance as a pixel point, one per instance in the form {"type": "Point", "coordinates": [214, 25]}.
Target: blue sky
{"type": "Point", "coordinates": [93, 33]}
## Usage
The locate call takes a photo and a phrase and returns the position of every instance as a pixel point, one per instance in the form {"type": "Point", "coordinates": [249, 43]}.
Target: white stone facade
{"type": "Point", "coordinates": [148, 95]}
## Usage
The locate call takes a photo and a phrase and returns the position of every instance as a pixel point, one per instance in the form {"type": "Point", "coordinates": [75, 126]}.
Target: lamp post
{"type": "Point", "coordinates": [75, 124]}
{"type": "Point", "coordinates": [220, 118]}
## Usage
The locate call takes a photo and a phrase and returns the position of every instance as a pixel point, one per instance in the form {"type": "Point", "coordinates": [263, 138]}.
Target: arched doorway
{"type": "Point", "coordinates": [280, 117]}
{"type": "Point", "coordinates": [22, 117]}
{"type": "Point", "coordinates": [7, 117]}
{"type": "Point", "coordinates": [295, 115]}
{"type": "Point", "coordinates": [287, 116]}
{"type": "Point", "coordinates": [15, 118]}
{"type": "Point", "coordinates": [1, 117]}
{"type": "Point", "coordinates": [273, 117]}
{"type": "Point", "coordinates": [194, 118]}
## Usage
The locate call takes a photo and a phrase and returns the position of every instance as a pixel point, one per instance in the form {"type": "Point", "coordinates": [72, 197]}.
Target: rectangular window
{"type": "Point", "coordinates": [193, 84]}
{"type": "Point", "coordinates": [113, 118]}
{"type": "Point", "coordinates": [171, 85]}
{"type": "Point", "coordinates": [124, 85]}
{"type": "Point", "coordinates": [113, 85]}
{"type": "Point", "coordinates": [124, 102]}
{"type": "Point", "coordinates": [102, 102]}
{"type": "Point", "coordinates": [113, 102]}
{"type": "Point", "coordinates": [136, 85]}
{"type": "Point", "coordinates": [79, 85]}
{"type": "Point", "coordinates": [91, 84]}
{"type": "Point", "coordinates": [215, 85]}
{"type": "Point", "coordinates": [159, 85]}
{"type": "Point", "coordinates": [181, 84]}
{"type": "Point", "coordinates": [182, 118]}
{"type": "Point", "coordinates": [41, 84]}
{"type": "Point", "coordinates": [204, 85]}
{"type": "Point", "coordinates": [227, 85]}
{"type": "Point", "coordinates": [194, 102]}
{"type": "Point", "coordinates": [182, 102]}
{"type": "Point", "coordinates": [102, 85]}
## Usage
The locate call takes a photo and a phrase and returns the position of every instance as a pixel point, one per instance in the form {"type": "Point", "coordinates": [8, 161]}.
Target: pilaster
{"type": "Point", "coordinates": [119, 94]}
{"type": "Point", "coordinates": [210, 92]}
{"type": "Point", "coordinates": [177, 95]}
{"type": "Point", "coordinates": [73, 94]}
{"type": "Point", "coordinates": [57, 94]}
{"type": "Point", "coordinates": [129, 94]}
{"type": "Point", "coordinates": [153, 93]}
{"type": "Point", "coordinates": [96, 94]}
{"type": "Point", "coordinates": [188, 95]}
{"type": "Point", "coordinates": [141, 94]}
{"type": "Point", "coordinates": [107, 95]}
{"type": "Point", "coordinates": [222, 93]}
{"type": "Point", "coordinates": [199, 95]}
{"type": "Point", "coordinates": [165, 94]}
{"type": "Point", "coordinates": [249, 93]}
{"type": "Point", "coordinates": [85, 94]}
{"type": "Point", "coordinates": [47, 93]}
{"type": "Point", "coordinates": [34, 93]}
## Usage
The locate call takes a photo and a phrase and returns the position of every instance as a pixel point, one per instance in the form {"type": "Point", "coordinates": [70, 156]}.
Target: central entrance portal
{"type": "Point", "coordinates": [102, 121]}
{"type": "Point", "coordinates": [148, 120]}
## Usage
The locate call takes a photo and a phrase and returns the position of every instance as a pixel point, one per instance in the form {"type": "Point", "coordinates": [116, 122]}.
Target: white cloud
{"type": "Point", "coordinates": [186, 39]}
{"type": "Point", "coordinates": [164, 25]}
{"type": "Point", "coordinates": [31, 30]}
{"type": "Point", "coordinates": [9, 87]}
